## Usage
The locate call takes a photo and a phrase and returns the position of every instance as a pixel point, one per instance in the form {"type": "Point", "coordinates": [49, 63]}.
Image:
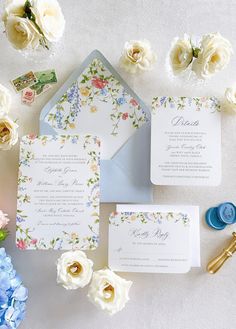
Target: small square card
{"type": "Point", "coordinates": [191, 211]}
{"type": "Point", "coordinates": [152, 242]}
{"type": "Point", "coordinates": [186, 141]}
{"type": "Point", "coordinates": [58, 192]}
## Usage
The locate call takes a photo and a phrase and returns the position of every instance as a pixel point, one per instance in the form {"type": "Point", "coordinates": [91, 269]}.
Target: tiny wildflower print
{"type": "Point", "coordinates": [117, 219]}
{"type": "Point", "coordinates": [210, 104]}
{"type": "Point", "coordinates": [61, 209]}
{"type": "Point", "coordinates": [97, 95]}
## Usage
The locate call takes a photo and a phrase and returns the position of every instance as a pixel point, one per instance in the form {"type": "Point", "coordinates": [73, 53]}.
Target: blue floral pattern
{"type": "Point", "coordinates": [180, 103]}
{"type": "Point", "coordinates": [94, 87]}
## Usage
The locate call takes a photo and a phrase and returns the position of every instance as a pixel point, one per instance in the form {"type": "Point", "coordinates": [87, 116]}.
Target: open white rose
{"type": "Point", "coordinates": [74, 270]}
{"type": "Point", "coordinates": [229, 103]}
{"type": "Point", "coordinates": [50, 18]}
{"type": "Point", "coordinates": [181, 54]}
{"type": "Point", "coordinates": [108, 291]}
{"type": "Point", "coordinates": [13, 7]}
{"type": "Point", "coordinates": [214, 55]}
{"type": "Point", "coordinates": [21, 32]}
{"type": "Point", "coordinates": [137, 56]}
{"type": "Point", "coordinates": [8, 133]}
{"type": "Point", "coordinates": [5, 100]}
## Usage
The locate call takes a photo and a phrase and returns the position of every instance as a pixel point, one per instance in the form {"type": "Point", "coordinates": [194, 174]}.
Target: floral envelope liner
{"type": "Point", "coordinates": [97, 102]}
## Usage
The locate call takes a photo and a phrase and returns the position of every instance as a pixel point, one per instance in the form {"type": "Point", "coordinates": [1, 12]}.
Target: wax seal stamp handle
{"type": "Point", "coordinates": [216, 263]}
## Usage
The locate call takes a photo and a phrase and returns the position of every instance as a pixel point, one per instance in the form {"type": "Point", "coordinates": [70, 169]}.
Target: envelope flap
{"type": "Point", "coordinates": [134, 157]}
{"type": "Point", "coordinates": [96, 100]}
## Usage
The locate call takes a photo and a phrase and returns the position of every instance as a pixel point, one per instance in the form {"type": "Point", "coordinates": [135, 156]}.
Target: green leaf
{"type": "Point", "coordinates": [196, 51]}
{"type": "Point", "coordinates": [3, 234]}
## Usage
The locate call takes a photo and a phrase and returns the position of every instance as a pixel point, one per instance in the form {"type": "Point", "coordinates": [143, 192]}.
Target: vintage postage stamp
{"type": "Point", "coordinates": [24, 81]}
{"type": "Point", "coordinates": [46, 77]}
{"type": "Point", "coordinates": [39, 88]}
{"type": "Point", "coordinates": [28, 96]}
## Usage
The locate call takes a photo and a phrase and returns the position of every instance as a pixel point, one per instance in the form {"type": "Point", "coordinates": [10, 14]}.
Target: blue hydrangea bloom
{"type": "Point", "coordinates": [13, 294]}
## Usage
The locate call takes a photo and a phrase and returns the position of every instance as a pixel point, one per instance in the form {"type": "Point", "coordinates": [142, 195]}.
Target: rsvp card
{"type": "Point", "coordinates": [152, 242]}
{"type": "Point", "coordinates": [190, 211]}
{"type": "Point", "coordinates": [58, 192]}
{"type": "Point", "coordinates": [186, 141]}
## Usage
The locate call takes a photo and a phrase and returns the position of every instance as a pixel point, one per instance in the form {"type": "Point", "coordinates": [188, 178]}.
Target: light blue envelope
{"type": "Point", "coordinates": [125, 178]}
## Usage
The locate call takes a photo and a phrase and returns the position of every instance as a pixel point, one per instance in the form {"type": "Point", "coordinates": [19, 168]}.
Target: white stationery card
{"type": "Point", "coordinates": [191, 211]}
{"type": "Point", "coordinates": [58, 192]}
{"type": "Point", "coordinates": [186, 141]}
{"type": "Point", "coordinates": [151, 242]}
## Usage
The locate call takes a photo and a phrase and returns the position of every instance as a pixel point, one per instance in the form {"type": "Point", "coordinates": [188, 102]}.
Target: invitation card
{"type": "Point", "coordinates": [191, 211]}
{"type": "Point", "coordinates": [58, 192]}
{"type": "Point", "coordinates": [153, 242]}
{"type": "Point", "coordinates": [186, 141]}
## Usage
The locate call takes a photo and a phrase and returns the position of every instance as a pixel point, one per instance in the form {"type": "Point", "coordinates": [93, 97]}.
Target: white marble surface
{"type": "Point", "coordinates": [196, 300]}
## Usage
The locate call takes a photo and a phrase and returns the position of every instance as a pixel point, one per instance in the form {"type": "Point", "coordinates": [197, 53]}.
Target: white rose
{"type": "Point", "coordinates": [21, 32]}
{"type": "Point", "coordinates": [181, 55]}
{"type": "Point", "coordinates": [74, 270]}
{"type": "Point", "coordinates": [50, 18]}
{"type": "Point", "coordinates": [5, 100]}
{"type": "Point", "coordinates": [13, 7]}
{"type": "Point", "coordinates": [137, 56]}
{"type": "Point", "coordinates": [8, 133]}
{"type": "Point", "coordinates": [109, 291]}
{"type": "Point", "coordinates": [229, 103]}
{"type": "Point", "coordinates": [214, 55]}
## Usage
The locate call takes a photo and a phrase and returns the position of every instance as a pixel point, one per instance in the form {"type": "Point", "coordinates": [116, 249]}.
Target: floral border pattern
{"type": "Point", "coordinates": [181, 103]}
{"type": "Point", "coordinates": [25, 235]}
{"type": "Point", "coordinates": [117, 218]}
{"type": "Point", "coordinates": [96, 84]}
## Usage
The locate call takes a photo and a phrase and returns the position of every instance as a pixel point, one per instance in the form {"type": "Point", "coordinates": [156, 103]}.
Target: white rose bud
{"type": "Point", "coordinates": [74, 270]}
{"type": "Point", "coordinates": [8, 133]}
{"type": "Point", "coordinates": [13, 7]}
{"type": "Point", "coordinates": [181, 55]}
{"type": "Point", "coordinates": [108, 291]}
{"type": "Point", "coordinates": [214, 55]}
{"type": "Point", "coordinates": [22, 33]}
{"type": "Point", "coordinates": [5, 100]}
{"type": "Point", "coordinates": [50, 18]}
{"type": "Point", "coordinates": [137, 56]}
{"type": "Point", "coordinates": [229, 103]}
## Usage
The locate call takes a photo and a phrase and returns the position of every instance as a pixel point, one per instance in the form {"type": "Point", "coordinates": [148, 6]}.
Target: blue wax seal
{"type": "Point", "coordinates": [227, 213]}
{"type": "Point", "coordinates": [213, 220]}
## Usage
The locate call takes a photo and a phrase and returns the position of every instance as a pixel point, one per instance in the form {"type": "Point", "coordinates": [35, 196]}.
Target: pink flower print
{"type": "Point", "coordinates": [125, 116]}
{"type": "Point", "coordinates": [21, 244]}
{"type": "Point", "coordinates": [34, 241]}
{"type": "Point", "coordinates": [99, 83]}
{"type": "Point", "coordinates": [32, 136]}
{"type": "Point", "coordinates": [4, 220]}
{"type": "Point", "coordinates": [133, 102]}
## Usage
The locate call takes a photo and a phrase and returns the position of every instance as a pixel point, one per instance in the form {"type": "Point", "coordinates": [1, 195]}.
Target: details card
{"type": "Point", "coordinates": [152, 242]}
{"type": "Point", "coordinates": [58, 192]}
{"type": "Point", "coordinates": [186, 141]}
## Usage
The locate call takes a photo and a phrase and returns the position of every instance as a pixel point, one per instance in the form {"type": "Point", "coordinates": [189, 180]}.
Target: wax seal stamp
{"type": "Point", "coordinates": [216, 263]}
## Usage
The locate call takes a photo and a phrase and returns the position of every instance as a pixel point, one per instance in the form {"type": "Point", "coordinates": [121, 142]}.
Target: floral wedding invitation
{"type": "Point", "coordinates": [58, 192]}
{"type": "Point", "coordinates": [186, 141]}
{"type": "Point", "coordinates": [152, 242]}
